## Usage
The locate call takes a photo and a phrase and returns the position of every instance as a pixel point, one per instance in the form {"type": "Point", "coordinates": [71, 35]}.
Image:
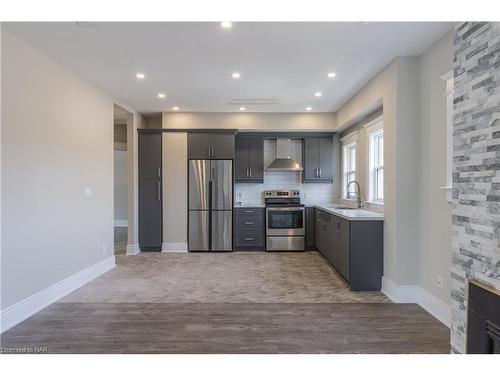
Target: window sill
{"type": "Point", "coordinates": [375, 203]}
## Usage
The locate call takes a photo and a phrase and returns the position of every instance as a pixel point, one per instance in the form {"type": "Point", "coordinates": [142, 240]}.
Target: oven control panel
{"type": "Point", "coordinates": [282, 193]}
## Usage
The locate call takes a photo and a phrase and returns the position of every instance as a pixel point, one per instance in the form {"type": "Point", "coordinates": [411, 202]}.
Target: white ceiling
{"type": "Point", "coordinates": [192, 62]}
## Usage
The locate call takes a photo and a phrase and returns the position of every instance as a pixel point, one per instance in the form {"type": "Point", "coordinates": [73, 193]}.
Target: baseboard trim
{"type": "Point", "coordinates": [174, 247]}
{"type": "Point", "coordinates": [133, 249]}
{"type": "Point", "coordinates": [418, 295]}
{"type": "Point", "coordinates": [121, 223]}
{"type": "Point", "coordinates": [22, 310]}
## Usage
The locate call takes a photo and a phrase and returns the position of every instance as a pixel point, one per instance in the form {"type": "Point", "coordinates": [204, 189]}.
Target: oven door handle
{"type": "Point", "coordinates": [289, 209]}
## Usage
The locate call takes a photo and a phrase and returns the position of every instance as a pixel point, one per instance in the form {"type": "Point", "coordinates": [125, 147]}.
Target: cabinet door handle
{"type": "Point", "coordinates": [208, 151]}
{"type": "Point", "coordinates": [158, 191]}
{"type": "Point", "coordinates": [319, 173]}
{"type": "Point", "coordinates": [213, 153]}
{"type": "Point", "coordinates": [315, 173]}
{"type": "Point", "coordinates": [250, 170]}
{"type": "Point", "coordinates": [249, 238]}
{"type": "Point", "coordinates": [248, 223]}
{"type": "Point", "coordinates": [248, 174]}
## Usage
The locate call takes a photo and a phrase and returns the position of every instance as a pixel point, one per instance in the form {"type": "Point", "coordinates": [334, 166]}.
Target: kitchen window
{"type": "Point", "coordinates": [349, 149]}
{"type": "Point", "coordinates": [375, 133]}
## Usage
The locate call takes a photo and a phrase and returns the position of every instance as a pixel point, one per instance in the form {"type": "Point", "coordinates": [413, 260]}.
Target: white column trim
{"type": "Point", "coordinates": [418, 295]}
{"type": "Point", "coordinates": [133, 249]}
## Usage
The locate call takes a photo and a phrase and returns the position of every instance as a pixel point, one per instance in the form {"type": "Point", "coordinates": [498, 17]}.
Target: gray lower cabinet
{"type": "Point", "coordinates": [210, 146]}
{"type": "Point", "coordinates": [150, 191]}
{"type": "Point", "coordinates": [249, 229]}
{"type": "Point", "coordinates": [354, 248]}
{"type": "Point", "coordinates": [310, 218]}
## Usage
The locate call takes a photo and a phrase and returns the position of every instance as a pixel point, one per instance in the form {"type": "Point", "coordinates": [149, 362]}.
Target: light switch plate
{"type": "Point", "coordinates": [87, 192]}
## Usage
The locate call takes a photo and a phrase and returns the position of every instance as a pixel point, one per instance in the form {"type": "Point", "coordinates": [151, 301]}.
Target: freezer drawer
{"type": "Point", "coordinates": [295, 243]}
{"type": "Point", "coordinates": [222, 231]}
{"type": "Point", "coordinates": [199, 231]}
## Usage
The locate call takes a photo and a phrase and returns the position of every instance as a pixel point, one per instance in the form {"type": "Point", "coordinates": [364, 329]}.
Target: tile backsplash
{"type": "Point", "coordinates": [311, 193]}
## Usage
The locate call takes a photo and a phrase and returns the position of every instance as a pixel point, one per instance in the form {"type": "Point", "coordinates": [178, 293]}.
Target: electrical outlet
{"type": "Point", "coordinates": [440, 282]}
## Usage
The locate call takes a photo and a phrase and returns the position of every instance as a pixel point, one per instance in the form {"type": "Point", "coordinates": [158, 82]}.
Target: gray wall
{"type": "Point", "coordinates": [476, 168]}
{"type": "Point", "coordinates": [434, 218]}
{"type": "Point", "coordinates": [175, 189]}
{"type": "Point", "coordinates": [250, 121]}
{"type": "Point", "coordinates": [57, 139]}
{"type": "Point", "coordinates": [417, 217]}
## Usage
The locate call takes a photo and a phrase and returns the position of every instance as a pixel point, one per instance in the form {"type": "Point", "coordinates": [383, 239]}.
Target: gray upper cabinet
{"type": "Point", "coordinates": [249, 159]}
{"type": "Point", "coordinates": [150, 191]}
{"type": "Point", "coordinates": [199, 146]}
{"type": "Point", "coordinates": [318, 159]}
{"type": "Point", "coordinates": [210, 146]}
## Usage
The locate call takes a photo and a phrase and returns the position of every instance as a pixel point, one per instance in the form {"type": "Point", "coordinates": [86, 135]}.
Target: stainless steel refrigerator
{"type": "Point", "coordinates": [210, 205]}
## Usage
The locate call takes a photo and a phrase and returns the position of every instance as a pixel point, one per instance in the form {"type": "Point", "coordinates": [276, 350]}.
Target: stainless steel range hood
{"type": "Point", "coordinates": [284, 161]}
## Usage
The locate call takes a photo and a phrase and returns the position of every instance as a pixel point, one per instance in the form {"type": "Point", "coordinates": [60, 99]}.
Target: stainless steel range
{"type": "Point", "coordinates": [285, 221]}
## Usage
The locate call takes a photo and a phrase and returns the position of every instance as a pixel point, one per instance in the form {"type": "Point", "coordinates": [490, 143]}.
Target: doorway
{"type": "Point", "coordinates": [120, 180]}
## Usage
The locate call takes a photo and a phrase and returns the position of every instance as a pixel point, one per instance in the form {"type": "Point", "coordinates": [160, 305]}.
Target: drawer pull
{"type": "Point", "coordinates": [248, 223]}
{"type": "Point", "coordinates": [249, 238]}
{"type": "Point", "coordinates": [249, 211]}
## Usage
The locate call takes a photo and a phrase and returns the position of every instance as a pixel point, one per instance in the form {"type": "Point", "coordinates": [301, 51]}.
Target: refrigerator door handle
{"type": "Point", "coordinates": [158, 191]}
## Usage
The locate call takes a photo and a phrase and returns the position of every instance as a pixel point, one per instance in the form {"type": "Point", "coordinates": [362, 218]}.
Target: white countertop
{"type": "Point", "coordinates": [248, 205]}
{"type": "Point", "coordinates": [355, 214]}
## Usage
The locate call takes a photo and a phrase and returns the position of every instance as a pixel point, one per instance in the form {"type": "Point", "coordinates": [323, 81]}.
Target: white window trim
{"type": "Point", "coordinates": [372, 128]}
{"type": "Point", "coordinates": [448, 77]}
{"type": "Point", "coordinates": [348, 141]}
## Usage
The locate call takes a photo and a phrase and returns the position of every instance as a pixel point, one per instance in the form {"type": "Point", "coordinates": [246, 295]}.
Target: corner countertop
{"type": "Point", "coordinates": [353, 215]}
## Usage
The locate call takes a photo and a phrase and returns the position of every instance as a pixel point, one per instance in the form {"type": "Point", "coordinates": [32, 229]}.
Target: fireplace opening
{"type": "Point", "coordinates": [483, 328]}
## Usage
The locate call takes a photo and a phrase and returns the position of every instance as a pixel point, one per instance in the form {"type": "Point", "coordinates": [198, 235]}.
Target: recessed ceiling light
{"type": "Point", "coordinates": [85, 25]}
{"type": "Point", "coordinates": [308, 108]}
{"type": "Point", "coordinates": [161, 95]}
{"type": "Point", "coordinates": [175, 108]}
{"type": "Point", "coordinates": [236, 75]}
{"type": "Point", "coordinates": [318, 94]}
{"type": "Point", "coordinates": [140, 76]}
{"type": "Point", "coordinates": [242, 109]}
{"type": "Point", "coordinates": [226, 24]}
{"type": "Point", "coordinates": [332, 75]}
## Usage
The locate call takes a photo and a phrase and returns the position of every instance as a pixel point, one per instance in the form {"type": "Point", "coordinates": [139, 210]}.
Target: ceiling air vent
{"type": "Point", "coordinates": [252, 101]}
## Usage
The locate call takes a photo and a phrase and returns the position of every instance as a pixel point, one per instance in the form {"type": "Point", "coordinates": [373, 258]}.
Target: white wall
{"type": "Point", "coordinates": [250, 121]}
{"type": "Point", "coordinates": [120, 187]}
{"type": "Point", "coordinates": [57, 139]}
{"type": "Point", "coordinates": [434, 220]}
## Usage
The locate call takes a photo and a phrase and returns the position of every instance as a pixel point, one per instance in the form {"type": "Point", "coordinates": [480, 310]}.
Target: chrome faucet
{"type": "Point", "coordinates": [361, 203]}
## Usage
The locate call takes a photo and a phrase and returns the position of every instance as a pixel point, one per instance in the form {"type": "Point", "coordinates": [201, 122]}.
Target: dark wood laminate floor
{"type": "Point", "coordinates": [75, 327]}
